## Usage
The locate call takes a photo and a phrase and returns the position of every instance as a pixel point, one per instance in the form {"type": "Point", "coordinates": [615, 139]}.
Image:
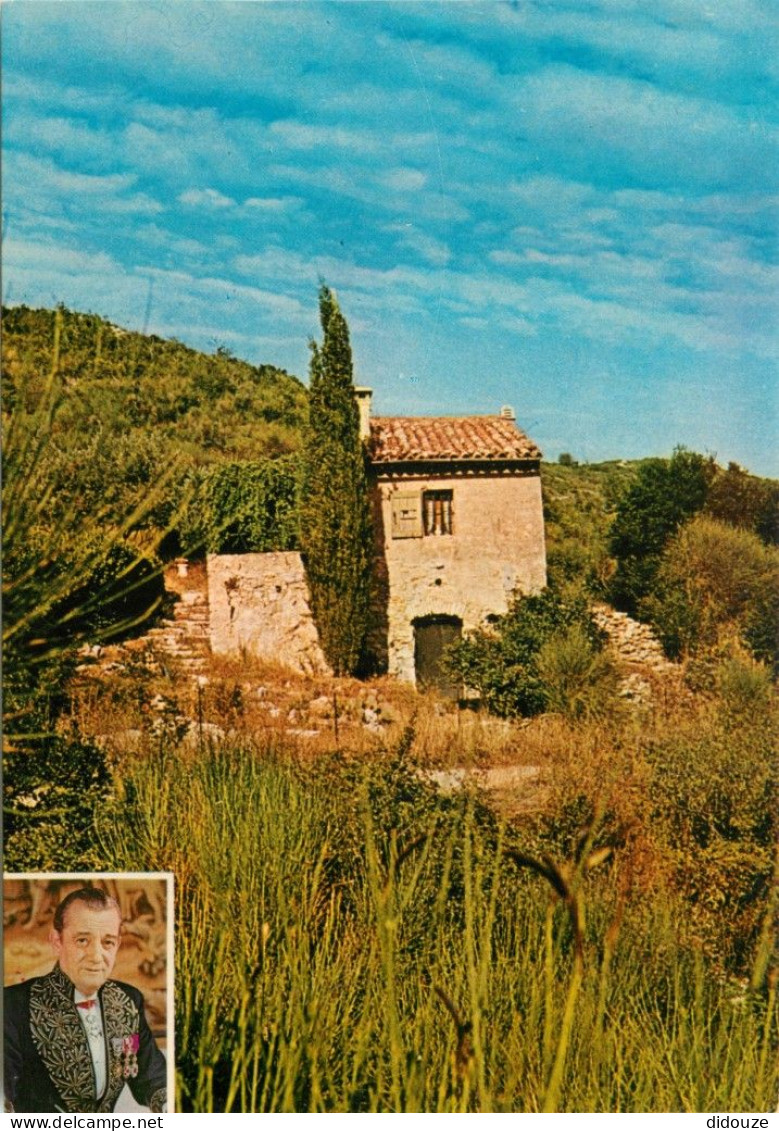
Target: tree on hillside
{"type": "Point", "coordinates": [335, 525]}
{"type": "Point", "coordinates": [664, 494]}
{"type": "Point", "coordinates": [743, 500]}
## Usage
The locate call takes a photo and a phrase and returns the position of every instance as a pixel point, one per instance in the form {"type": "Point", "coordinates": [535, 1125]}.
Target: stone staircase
{"type": "Point", "coordinates": [180, 642]}
{"type": "Point", "coordinates": [184, 637]}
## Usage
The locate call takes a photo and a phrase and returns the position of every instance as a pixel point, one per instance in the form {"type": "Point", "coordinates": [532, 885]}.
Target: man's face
{"type": "Point", "coordinates": [87, 945]}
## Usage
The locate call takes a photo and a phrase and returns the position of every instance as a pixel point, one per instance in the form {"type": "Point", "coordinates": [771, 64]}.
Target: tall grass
{"type": "Point", "coordinates": [346, 942]}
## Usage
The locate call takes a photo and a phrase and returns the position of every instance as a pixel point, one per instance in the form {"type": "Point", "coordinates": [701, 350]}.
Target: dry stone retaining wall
{"type": "Point", "coordinates": [632, 641]}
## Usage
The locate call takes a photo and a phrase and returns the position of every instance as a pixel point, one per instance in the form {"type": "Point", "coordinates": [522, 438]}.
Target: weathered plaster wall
{"type": "Point", "coordinates": [259, 604]}
{"type": "Point", "coordinates": [497, 547]}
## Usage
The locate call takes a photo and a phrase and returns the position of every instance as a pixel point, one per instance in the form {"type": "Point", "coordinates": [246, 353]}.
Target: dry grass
{"type": "Point", "coordinates": [361, 899]}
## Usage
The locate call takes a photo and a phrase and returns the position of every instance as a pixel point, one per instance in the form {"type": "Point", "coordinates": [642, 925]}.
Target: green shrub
{"type": "Point", "coordinates": [664, 494]}
{"type": "Point", "coordinates": [78, 585]}
{"type": "Point", "coordinates": [712, 811]}
{"type": "Point", "coordinates": [579, 679]}
{"type": "Point", "coordinates": [502, 663]}
{"type": "Point", "coordinates": [744, 687]}
{"type": "Point", "coordinates": [743, 500]}
{"type": "Point", "coordinates": [578, 509]}
{"type": "Point", "coordinates": [52, 788]}
{"type": "Point", "coordinates": [713, 581]}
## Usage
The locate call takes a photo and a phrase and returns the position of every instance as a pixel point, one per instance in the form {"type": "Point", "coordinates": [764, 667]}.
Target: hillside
{"type": "Point", "coordinates": [132, 405]}
{"type": "Point", "coordinates": [579, 505]}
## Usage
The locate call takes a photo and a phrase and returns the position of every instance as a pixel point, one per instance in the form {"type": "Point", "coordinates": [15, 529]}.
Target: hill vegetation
{"type": "Point", "coordinates": [132, 406]}
{"type": "Point", "coordinates": [159, 449]}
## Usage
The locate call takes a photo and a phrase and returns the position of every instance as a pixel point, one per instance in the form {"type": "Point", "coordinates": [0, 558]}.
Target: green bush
{"type": "Point", "coordinates": [715, 581]}
{"type": "Point", "coordinates": [52, 788]}
{"type": "Point", "coordinates": [502, 663]}
{"type": "Point", "coordinates": [745, 688]}
{"type": "Point", "coordinates": [712, 812]}
{"type": "Point", "coordinates": [743, 500]}
{"type": "Point", "coordinates": [578, 508]}
{"type": "Point", "coordinates": [79, 585]}
{"type": "Point", "coordinates": [578, 678]}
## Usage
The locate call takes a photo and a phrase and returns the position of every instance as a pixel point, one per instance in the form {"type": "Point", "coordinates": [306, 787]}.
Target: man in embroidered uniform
{"type": "Point", "coordinates": [74, 1038]}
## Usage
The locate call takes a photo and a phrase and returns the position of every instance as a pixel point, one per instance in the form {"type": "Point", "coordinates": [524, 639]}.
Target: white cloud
{"type": "Point", "coordinates": [300, 135]}
{"type": "Point", "coordinates": [370, 189]}
{"type": "Point", "coordinates": [57, 97]}
{"type": "Point", "coordinates": [517, 325]}
{"type": "Point", "coordinates": [610, 124]}
{"type": "Point", "coordinates": [432, 250]}
{"type": "Point", "coordinates": [404, 180]}
{"type": "Point", "coordinates": [30, 171]}
{"type": "Point", "coordinates": [184, 146]}
{"type": "Point", "coordinates": [173, 245]}
{"type": "Point", "coordinates": [140, 204]}
{"type": "Point", "coordinates": [39, 186]}
{"type": "Point", "coordinates": [70, 138]}
{"type": "Point", "coordinates": [205, 198]}
{"type": "Point", "coordinates": [273, 203]}
{"type": "Point", "coordinates": [280, 305]}
{"type": "Point", "coordinates": [434, 63]}
{"type": "Point", "coordinates": [65, 260]}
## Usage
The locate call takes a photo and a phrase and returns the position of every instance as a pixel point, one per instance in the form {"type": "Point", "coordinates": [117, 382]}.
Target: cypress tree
{"type": "Point", "coordinates": [335, 525]}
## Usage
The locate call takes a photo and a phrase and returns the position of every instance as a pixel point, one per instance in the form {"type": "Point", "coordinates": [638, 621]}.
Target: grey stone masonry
{"type": "Point", "coordinates": [631, 641]}
{"type": "Point", "coordinates": [184, 637]}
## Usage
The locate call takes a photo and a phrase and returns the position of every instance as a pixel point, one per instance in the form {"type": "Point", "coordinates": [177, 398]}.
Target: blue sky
{"type": "Point", "coordinates": [568, 206]}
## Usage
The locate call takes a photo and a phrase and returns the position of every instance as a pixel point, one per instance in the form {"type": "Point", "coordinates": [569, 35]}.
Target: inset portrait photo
{"type": "Point", "coordinates": [88, 999]}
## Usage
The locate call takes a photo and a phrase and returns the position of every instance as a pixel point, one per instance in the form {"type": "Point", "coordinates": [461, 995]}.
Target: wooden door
{"type": "Point", "coordinates": [432, 636]}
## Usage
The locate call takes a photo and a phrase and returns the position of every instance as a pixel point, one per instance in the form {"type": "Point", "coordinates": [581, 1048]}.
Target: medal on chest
{"type": "Point", "coordinates": [125, 1058]}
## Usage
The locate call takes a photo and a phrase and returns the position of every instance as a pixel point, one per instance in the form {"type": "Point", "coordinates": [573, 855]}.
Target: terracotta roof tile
{"type": "Point", "coordinates": [399, 439]}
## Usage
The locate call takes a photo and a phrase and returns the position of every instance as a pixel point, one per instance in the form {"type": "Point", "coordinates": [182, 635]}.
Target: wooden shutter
{"type": "Point", "coordinates": [407, 514]}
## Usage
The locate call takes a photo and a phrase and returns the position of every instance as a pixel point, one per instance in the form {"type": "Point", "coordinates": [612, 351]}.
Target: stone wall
{"type": "Point", "coordinates": [497, 547]}
{"type": "Point", "coordinates": [259, 605]}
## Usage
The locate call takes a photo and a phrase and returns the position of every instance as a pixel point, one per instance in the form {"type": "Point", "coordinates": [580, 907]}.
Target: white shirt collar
{"type": "Point", "coordinates": [78, 996]}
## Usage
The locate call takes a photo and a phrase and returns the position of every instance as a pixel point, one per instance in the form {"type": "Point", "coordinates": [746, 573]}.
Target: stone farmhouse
{"type": "Point", "coordinates": [459, 519]}
{"type": "Point", "coordinates": [459, 524]}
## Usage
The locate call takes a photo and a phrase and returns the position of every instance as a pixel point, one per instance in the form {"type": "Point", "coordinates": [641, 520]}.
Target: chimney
{"type": "Point", "coordinates": [363, 397]}
{"type": "Point", "coordinates": [507, 412]}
